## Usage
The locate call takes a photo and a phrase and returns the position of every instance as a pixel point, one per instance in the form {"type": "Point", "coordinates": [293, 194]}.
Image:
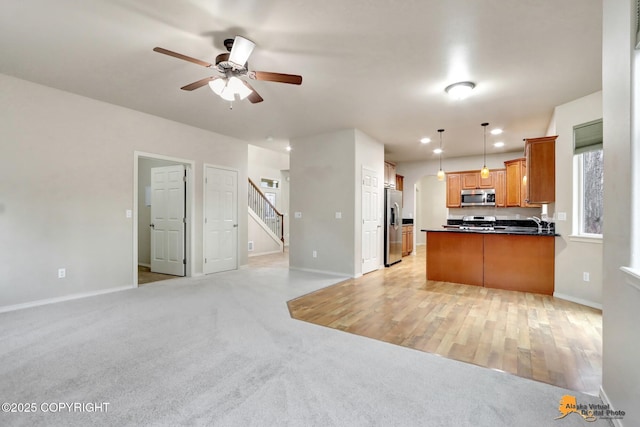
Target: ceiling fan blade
{"type": "Point", "coordinates": [276, 77]}
{"type": "Point", "coordinates": [183, 57]}
{"type": "Point", "coordinates": [199, 83]}
{"type": "Point", "coordinates": [254, 97]}
{"type": "Point", "coordinates": [241, 50]}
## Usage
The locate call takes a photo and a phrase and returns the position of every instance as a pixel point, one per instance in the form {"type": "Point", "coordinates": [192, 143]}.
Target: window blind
{"type": "Point", "coordinates": [587, 137]}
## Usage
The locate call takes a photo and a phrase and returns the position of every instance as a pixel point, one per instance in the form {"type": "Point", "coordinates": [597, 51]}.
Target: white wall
{"type": "Point", "coordinates": [66, 180]}
{"type": "Point", "coordinates": [621, 301]}
{"type": "Point", "coordinates": [325, 179]}
{"type": "Point", "coordinates": [573, 255]}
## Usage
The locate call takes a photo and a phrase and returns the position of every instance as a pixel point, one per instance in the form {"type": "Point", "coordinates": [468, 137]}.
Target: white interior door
{"type": "Point", "coordinates": [168, 220]}
{"type": "Point", "coordinates": [371, 224]}
{"type": "Point", "coordinates": [221, 220]}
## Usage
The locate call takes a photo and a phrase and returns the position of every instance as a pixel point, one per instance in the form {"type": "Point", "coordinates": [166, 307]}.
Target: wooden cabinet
{"type": "Point", "coordinates": [399, 182]}
{"type": "Point", "coordinates": [488, 182]}
{"type": "Point", "coordinates": [513, 182]}
{"type": "Point", "coordinates": [407, 239]}
{"type": "Point", "coordinates": [540, 155]}
{"type": "Point", "coordinates": [513, 262]}
{"type": "Point", "coordinates": [501, 196]}
{"type": "Point", "coordinates": [517, 184]}
{"type": "Point", "coordinates": [453, 190]}
{"type": "Point", "coordinates": [389, 174]}
{"type": "Point", "coordinates": [455, 257]}
{"type": "Point", "coordinates": [470, 180]}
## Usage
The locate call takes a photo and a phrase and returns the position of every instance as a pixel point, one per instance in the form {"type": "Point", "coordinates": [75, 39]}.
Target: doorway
{"type": "Point", "coordinates": [178, 238]}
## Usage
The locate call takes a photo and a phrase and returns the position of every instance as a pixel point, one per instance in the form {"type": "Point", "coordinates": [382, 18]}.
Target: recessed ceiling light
{"type": "Point", "coordinates": [288, 148]}
{"type": "Point", "coordinates": [498, 144]}
{"type": "Point", "coordinates": [496, 131]}
{"type": "Point", "coordinates": [425, 140]}
{"type": "Point", "coordinates": [269, 138]}
{"type": "Point", "coordinates": [438, 150]}
{"type": "Point", "coordinates": [460, 90]}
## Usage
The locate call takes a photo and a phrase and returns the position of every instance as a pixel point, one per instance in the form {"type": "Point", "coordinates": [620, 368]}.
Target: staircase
{"type": "Point", "coordinates": [261, 207]}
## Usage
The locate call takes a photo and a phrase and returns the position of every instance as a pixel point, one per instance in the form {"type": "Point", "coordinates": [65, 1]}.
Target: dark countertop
{"type": "Point", "coordinates": [518, 233]}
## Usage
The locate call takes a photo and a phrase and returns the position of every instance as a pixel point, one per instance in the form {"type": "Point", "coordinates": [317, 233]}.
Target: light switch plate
{"type": "Point", "coordinates": [562, 216]}
{"type": "Point", "coordinates": [298, 215]}
{"type": "Point", "coordinates": [338, 215]}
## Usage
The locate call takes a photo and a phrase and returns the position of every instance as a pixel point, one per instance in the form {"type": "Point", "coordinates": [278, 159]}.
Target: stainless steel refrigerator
{"type": "Point", "coordinates": [392, 226]}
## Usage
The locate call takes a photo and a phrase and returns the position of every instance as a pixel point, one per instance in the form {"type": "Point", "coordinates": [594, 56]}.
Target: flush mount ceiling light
{"type": "Point", "coordinates": [440, 171]}
{"type": "Point", "coordinates": [496, 131]}
{"type": "Point", "coordinates": [484, 173]}
{"type": "Point", "coordinates": [425, 140]}
{"type": "Point", "coordinates": [498, 144]}
{"type": "Point", "coordinates": [460, 90]}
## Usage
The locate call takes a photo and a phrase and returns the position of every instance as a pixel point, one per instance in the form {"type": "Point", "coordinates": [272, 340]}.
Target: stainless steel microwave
{"type": "Point", "coordinates": [479, 197]}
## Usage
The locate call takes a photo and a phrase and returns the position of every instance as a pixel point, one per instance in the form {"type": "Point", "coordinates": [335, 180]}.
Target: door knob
{"type": "Point", "coordinates": [235, 225]}
{"type": "Point", "coordinates": [152, 226]}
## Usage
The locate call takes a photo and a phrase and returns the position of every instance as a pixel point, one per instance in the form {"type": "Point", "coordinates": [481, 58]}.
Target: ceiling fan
{"type": "Point", "coordinates": [232, 66]}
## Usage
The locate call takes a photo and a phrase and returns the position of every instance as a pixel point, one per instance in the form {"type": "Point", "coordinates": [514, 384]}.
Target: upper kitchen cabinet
{"type": "Point", "coordinates": [516, 184]}
{"type": "Point", "coordinates": [389, 174]}
{"type": "Point", "coordinates": [540, 154]}
{"type": "Point", "coordinates": [399, 182]}
{"type": "Point", "coordinates": [501, 187]}
{"type": "Point", "coordinates": [472, 180]}
{"type": "Point", "coordinates": [453, 190]}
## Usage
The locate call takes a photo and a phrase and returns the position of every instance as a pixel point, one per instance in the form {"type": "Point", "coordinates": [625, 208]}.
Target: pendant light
{"type": "Point", "coordinates": [484, 173]}
{"type": "Point", "coordinates": [440, 171]}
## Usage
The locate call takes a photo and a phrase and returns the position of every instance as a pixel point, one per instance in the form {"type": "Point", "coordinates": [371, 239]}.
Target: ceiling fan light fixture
{"type": "Point", "coordinates": [460, 90]}
{"type": "Point", "coordinates": [217, 86]}
{"type": "Point", "coordinates": [237, 86]}
{"type": "Point", "coordinates": [241, 50]}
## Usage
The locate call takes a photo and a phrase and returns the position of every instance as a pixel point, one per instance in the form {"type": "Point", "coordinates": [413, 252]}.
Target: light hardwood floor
{"type": "Point", "coordinates": [529, 335]}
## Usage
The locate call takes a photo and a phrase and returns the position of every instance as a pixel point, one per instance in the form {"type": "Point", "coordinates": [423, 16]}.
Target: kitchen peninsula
{"type": "Point", "coordinates": [512, 258]}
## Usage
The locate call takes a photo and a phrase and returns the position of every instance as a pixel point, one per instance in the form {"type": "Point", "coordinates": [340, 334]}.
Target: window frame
{"type": "Point", "coordinates": [579, 149]}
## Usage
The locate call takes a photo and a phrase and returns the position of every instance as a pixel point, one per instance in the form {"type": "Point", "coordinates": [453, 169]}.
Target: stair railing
{"type": "Point", "coordinates": [268, 213]}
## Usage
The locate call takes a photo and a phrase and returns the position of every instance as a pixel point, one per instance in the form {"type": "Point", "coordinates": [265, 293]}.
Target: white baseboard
{"type": "Point", "coordinates": [38, 303]}
{"type": "Point", "coordinates": [266, 253]}
{"type": "Point", "coordinates": [578, 300]}
{"type": "Point", "coordinates": [330, 273]}
{"type": "Point", "coordinates": [142, 264]}
{"type": "Point", "coordinates": [605, 399]}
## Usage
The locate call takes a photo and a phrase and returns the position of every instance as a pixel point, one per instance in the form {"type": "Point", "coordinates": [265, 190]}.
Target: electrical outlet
{"type": "Point", "coordinates": [62, 273]}
{"type": "Point", "coordinates": [562, 216]}
{"type": "Point", "coordinates": [297, 215]}
{"type": "Point", "coordinates": [315, 254]}
{"type": "Point", "coordinates": [250, 248]}
{"type": "Point", "coordinates": [585, 276]}
{"type": "Point", "coordinates": [338, 215]}
{"type": "Point", "coordinates": [128, 213]}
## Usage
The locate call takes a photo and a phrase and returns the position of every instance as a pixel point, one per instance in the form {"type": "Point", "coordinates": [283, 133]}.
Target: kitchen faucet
{"type": "Point", "coordinates": [537, 221]}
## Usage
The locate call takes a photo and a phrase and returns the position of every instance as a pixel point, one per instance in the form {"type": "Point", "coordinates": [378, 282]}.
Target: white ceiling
{"type": "Point", "coordinates": [377, 65]}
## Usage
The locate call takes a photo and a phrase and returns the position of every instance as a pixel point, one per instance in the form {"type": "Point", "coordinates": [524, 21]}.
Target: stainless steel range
{"type": "Point", "coordinates": [481, 223]}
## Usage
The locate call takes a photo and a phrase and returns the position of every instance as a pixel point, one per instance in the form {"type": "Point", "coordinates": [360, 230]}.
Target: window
{"type": "Point", "coordinates": [269, 183]}
{"type": "Point", "coordinates": [589, 162]}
